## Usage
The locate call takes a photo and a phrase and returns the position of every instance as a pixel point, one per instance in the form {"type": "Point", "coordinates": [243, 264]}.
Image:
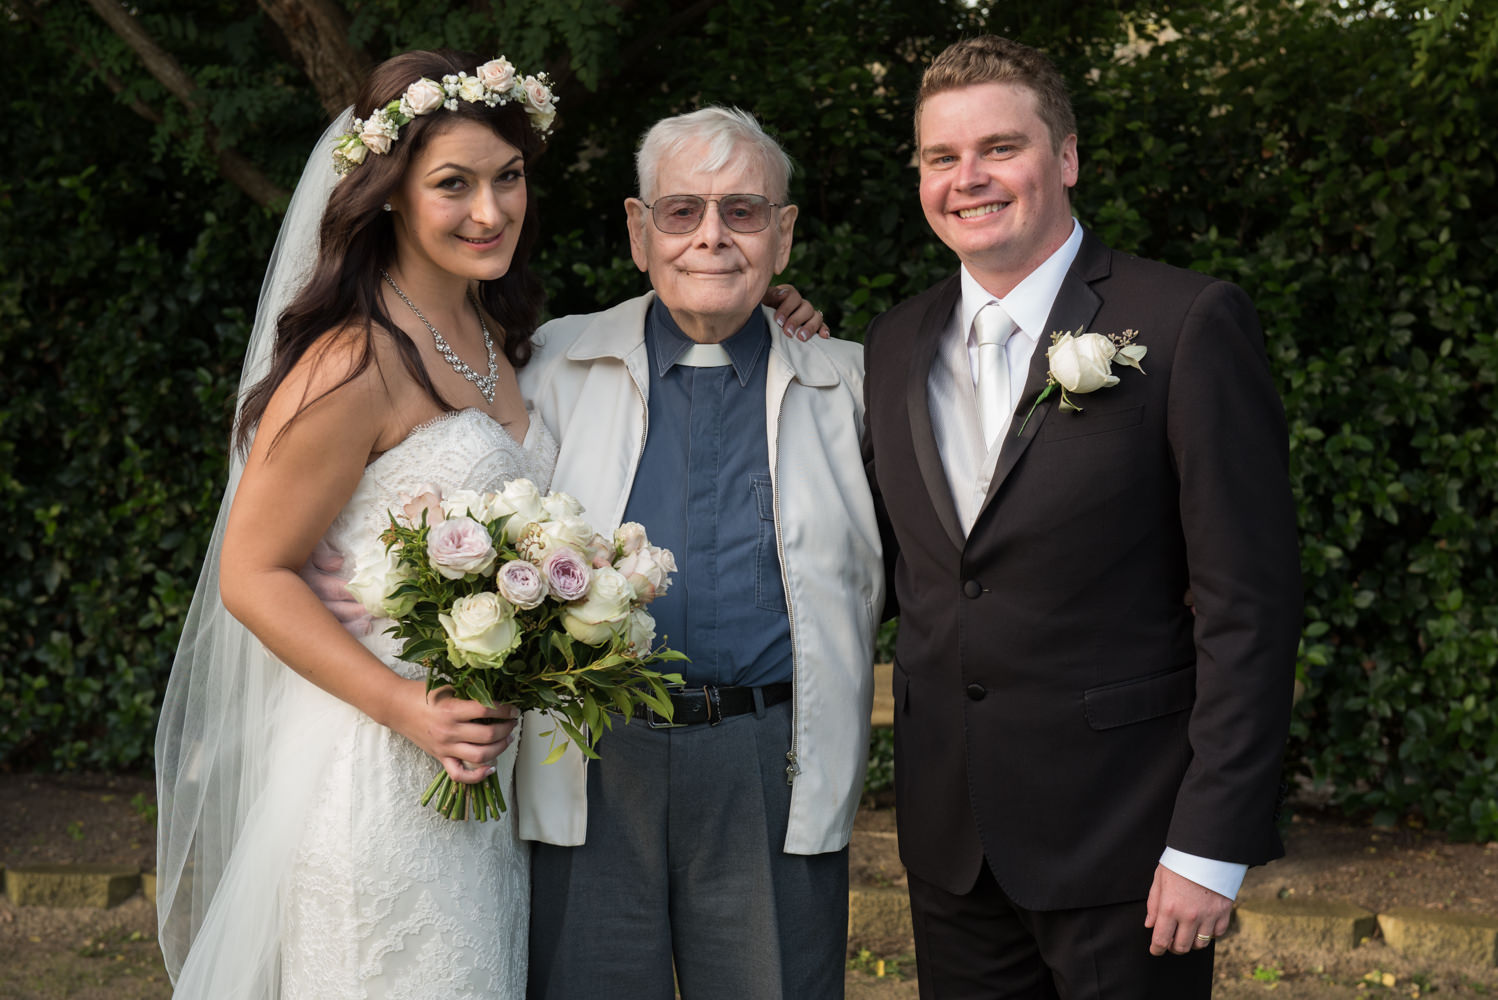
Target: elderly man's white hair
{"type": "Point", "coordinates": [723, 132]}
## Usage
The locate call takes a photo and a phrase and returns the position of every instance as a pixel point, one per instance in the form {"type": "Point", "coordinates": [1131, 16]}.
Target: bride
{"type": "Point", "coordinates": [293, 858]}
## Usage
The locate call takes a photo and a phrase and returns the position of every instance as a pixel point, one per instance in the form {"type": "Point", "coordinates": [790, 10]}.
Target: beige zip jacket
{"type": "Point", "coordinates": [589, 382]}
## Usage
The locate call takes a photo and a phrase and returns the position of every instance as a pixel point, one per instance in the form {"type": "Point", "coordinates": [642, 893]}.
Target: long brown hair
{"type": "Point", "coordinates": [357, 239]}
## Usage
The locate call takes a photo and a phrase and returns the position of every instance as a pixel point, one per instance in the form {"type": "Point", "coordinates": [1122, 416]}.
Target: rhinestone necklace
{"type": "Point", "coordinates": [484, 383]}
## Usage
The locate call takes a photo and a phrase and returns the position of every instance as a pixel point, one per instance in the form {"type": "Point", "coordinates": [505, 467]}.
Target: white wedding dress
{"type": "Point", "coordinates": [384, 898]}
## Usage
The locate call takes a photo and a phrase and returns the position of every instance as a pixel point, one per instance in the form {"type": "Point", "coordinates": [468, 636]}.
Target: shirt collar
{"type": "Point", "coordinates": [1029, 303]}
{"type": "Point", "coordinates": [666, 342]}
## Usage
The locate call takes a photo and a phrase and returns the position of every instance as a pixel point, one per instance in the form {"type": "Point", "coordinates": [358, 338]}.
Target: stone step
{"type": "Point", "coordinates": [80, 885]}
{"type": "Point", "coordinates": [1293, 923]}
{"type": "Point", "coordinates": [1441, 935]}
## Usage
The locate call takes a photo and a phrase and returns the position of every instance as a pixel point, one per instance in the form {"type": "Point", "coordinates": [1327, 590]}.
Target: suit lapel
{"type": "Point", "coordinates": [1075, 306]}
{"type": "Point", "coordinates": [918, 405]}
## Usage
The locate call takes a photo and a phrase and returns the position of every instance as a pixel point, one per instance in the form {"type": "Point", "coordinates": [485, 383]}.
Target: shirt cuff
{"type": "Point", "coordinates": [1222, 877]}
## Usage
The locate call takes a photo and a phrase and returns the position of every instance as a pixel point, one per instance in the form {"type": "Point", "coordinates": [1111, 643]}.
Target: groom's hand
{"type": "Point", "coordinates": [1184, 916]}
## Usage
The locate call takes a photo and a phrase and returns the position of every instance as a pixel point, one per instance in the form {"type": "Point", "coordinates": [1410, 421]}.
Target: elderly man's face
{"type": "Point", "coordinates": [712, 278]}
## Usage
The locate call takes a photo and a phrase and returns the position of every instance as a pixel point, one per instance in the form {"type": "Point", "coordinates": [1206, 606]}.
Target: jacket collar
{"type": "Point", "coordinates": [620, 333]}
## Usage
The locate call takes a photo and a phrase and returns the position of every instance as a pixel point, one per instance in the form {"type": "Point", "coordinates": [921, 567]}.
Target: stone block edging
{"type": "Point", "coordinates": [83, 885]}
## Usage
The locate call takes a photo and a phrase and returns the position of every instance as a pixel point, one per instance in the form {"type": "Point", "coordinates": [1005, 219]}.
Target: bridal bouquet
{"type": "Point", "coordinates": [512, 598]}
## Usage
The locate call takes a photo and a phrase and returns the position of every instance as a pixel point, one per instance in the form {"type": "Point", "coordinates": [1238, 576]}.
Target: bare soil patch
{"type": "Point", "coordinates": [48, 954]}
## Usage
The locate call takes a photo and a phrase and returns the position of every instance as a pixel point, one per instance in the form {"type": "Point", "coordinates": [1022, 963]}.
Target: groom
{"type": "Point", "coordinates": [1086, 764]}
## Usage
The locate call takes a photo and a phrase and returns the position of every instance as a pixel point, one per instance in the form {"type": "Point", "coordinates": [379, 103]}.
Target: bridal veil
{"type": "Point", "coordinates": [227, 833]}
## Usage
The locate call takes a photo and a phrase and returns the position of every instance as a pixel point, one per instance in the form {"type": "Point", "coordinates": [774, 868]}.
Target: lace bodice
{"type": "Point", "coordinates": [466, 449]}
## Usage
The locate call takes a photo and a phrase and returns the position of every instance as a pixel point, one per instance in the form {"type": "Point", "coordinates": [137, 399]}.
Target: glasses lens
{"type": "Point", "coordinates": [678, 213]}
{"type": "Point", "coordinates": [745, 213]}
{"type": "Point", "coordinates": [682, 213]}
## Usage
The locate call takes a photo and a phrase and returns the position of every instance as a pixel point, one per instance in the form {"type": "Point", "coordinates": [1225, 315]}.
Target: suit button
{"type": "Point", "coordinates": [972, 588]}
{"type": "Point", "coordinates": [976, 692]}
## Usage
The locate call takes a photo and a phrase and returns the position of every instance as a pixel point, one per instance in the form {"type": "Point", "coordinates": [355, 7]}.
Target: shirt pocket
{"type": "Point", "coordinates": [769, 591]}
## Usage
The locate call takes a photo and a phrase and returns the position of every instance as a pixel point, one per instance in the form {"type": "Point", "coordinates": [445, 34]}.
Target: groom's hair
{"type": "Point", "coordinates": [991, 59]}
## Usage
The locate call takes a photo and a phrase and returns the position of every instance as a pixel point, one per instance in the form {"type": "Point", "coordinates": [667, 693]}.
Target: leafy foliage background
{"type": "Point", "coordinates": [1334, 158]}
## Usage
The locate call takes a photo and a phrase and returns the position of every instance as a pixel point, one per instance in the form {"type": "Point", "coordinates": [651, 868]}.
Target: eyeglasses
{"type": "Point", "coordinates": [679, 214]}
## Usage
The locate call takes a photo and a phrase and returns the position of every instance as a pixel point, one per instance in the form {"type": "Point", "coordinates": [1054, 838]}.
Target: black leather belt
{"type": "Point", "coordinates": [711, 704]}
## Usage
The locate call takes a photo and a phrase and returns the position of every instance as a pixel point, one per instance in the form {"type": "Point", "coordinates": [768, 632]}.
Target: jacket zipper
{"type": "Point", "coordinates": [793, 763]}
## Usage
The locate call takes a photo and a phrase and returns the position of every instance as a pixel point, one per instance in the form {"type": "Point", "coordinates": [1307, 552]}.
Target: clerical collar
{"type": "Point", "coordinates": [669, 346]}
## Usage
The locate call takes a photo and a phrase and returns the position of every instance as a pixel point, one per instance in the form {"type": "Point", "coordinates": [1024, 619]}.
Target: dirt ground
{"type": "Point", "coordinates": [48, 954]}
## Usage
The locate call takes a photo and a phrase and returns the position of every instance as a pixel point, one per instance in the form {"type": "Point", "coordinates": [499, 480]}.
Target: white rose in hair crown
{"type": "Point", "coordinates": [512, 598]}
{"type": "Point", "coordinates": [1083, 362]}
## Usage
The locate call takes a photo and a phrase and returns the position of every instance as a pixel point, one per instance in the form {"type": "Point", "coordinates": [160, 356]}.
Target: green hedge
{"type": "Point", "coordinates": [1335, 160]}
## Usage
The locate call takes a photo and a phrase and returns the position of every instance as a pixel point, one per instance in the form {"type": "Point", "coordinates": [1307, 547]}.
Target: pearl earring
{"type": "Point", "coordinates": [387, 206]}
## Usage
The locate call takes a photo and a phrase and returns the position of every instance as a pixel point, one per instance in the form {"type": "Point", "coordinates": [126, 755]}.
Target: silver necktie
{"type": "Point", "coordinates": [993, 328]}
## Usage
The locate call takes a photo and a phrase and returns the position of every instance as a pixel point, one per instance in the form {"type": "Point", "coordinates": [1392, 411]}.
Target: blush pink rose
{"type": "Point", "coordinates": [460, 546]}
{"type": "Point", "coordinates": [521, 584]}
{"type": "Point", "coordinates": [567, 576]}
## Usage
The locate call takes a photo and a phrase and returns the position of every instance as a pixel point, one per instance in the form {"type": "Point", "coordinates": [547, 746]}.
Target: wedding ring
{"type": "Point", "coordinates": [1204, 938]}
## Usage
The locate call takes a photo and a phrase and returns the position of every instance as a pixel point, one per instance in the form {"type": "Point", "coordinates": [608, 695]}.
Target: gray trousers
{"type": "Point", "coordinates": [684, 869]}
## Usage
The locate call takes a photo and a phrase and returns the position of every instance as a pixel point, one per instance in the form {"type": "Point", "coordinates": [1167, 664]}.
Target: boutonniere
{"type": "Point", "coordinates": [1083, 362]}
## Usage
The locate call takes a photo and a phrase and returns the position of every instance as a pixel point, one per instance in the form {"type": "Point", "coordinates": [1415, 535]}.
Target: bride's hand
{"type": "Point", "coordinates": [464, 735]}
{"type": "Point", "coordinates": [793, 314]}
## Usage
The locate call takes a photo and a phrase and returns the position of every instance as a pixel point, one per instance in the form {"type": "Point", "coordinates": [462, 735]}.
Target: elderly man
{"type": "Point", "coordinates": [715, 846]}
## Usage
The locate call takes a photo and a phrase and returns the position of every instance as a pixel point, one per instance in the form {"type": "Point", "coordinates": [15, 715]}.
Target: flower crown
{"type": "Point", "coordinates": [496, 82]}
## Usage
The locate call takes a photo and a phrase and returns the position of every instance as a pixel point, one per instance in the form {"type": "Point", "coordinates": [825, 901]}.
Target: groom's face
{"type": "Point", "coordinates": [993, 186]}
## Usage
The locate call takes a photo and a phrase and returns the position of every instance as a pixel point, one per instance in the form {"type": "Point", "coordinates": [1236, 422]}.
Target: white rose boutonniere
{"type": "Point", "coordinates": [1083, 362]}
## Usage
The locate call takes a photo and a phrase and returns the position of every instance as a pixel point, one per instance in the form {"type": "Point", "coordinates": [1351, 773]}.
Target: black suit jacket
{"type": "Point", "coordinates": [1058, 709]}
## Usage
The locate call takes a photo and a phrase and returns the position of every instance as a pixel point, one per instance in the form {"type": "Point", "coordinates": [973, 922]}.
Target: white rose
{"type": "Point", "coordinates": [542, 119]}
{"type": "Point", "coordinates": [424, 96]}
{"type": "Point", "coordinates": [459, 546]}
{"type": "Point", "coordinates": [497, 74]}
{"type": "Point", "coordinates": [596, 618]}
{"type": "Point", "coordinates": [354, 152]}
{"type": "Point", "coordinates": [561, 505]}
{"type": "Point", "coordinates": [471, 88]}
{"type": "Point", "coordinates": [639, 632]}
{"type": "Point", "coordinates": [600, 552]}
{"type": "Point", "coordinates": [481, 631]}
{"type": "Point", "coordinates": [542, 538]}
{"type": "Point", "coordinates": [1081, 364]}
{"type": "Point", "coordinates": [629, 536]}
{"type": "Point", "coordinates": [522, 502]}
{"type": "Point", "coordinates": [539, 94]}
{"type": "Point", "coordinates": [377, 574]}
{"type": "Point", "coordinates": [648, 571]}
{"type": "Point", "coordinates": [465, 503]}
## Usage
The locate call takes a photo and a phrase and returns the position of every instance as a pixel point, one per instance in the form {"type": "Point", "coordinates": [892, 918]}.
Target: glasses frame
{"type": "Point", "coordinates": [706, 201]}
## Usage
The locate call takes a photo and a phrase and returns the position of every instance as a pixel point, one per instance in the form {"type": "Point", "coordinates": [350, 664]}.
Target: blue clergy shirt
{"type": "Point", "coordinates": [703, 491]}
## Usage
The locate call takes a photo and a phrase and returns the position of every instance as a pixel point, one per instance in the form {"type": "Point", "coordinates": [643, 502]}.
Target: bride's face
{"type": "Point", "coordinates": [460, 206]}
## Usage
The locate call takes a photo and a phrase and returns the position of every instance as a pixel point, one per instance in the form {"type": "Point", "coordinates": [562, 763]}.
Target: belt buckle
{"type": "Point", "coordinates": [655, 721]}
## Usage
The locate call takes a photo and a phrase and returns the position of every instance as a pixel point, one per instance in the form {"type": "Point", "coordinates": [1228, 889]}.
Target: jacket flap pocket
{"type": "Point", "coordinates": [1074, 425]}
{"type": "Point", "coordinates": [1127, 702]}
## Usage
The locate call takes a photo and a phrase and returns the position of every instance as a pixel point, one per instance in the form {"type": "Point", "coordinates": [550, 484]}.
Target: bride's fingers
{"type": "Point", "coordinates": [465, 773]}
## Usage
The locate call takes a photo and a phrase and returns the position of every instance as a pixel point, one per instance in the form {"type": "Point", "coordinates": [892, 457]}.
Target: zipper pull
{"type": "Point", "coordinates": [791, 769]}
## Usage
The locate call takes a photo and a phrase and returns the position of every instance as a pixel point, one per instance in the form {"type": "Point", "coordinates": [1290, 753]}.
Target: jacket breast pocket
{"type": "Point", "coordinates": [1061, 426]}
{"type": "Point", "coordinates": [769, 591]}
{"type": "Point", "coordinates": [1141, 699]}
